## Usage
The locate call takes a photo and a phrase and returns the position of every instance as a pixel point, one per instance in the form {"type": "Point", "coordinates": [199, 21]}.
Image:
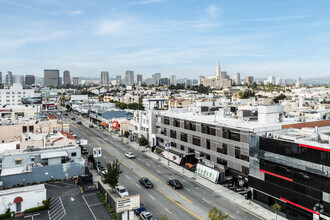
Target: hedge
{"type": "Point", "coordinates": [36, 209]}
{"type": "Point", "coordinates": [7, 215]}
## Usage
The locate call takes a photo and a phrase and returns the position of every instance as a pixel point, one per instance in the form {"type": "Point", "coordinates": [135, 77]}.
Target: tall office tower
{"type": "Point", "coordinates": [129, 77]}
{"type": "Point", "coordinates": [249, 79]}
{"type": "Point", "coordinates": [224, 75]}
{"type": "Point", "coordinates": [30, 80]}
{"type": "Point", "coordinates": [60, 81]}
{"type": "Point", "coordinates": [0, 77]}
{"type": "Point", "coordinates": [218, 71]}
{"type": "Point", "coordinates": [18, 79]}
{"type": "Point", "coordinates": [164, 81]}
{"type": "Point", "coordinates": [66, 78]}
{"type": "Point", "coordinates": [139, 80]}
{"type": "Point", "coordinates": [187, 82]}
{"type": "Point", "coordinates": [237, 78]}
{"type": "Point", "coordinates": [9, 78]}
{"type": "Point", "coordinates": [157, 76]}
{"type": "Point", "coordinates": [104, 78]}
{"type": "Point", "coordinates": [173, 80]}
{"type": "Point", "coordinates": [51, 77]}
{"type": "Point", "coordinates": [118, 80]}
{"type": "Point", "coordinates": [75, 81]}
{"type": "Point", "coordinates": [148, 81]}
{"type": "Point", "coordinates": [271, 79]}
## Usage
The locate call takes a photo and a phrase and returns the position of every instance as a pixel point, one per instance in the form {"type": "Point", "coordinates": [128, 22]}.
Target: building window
{"type": "Point", "coordinates": [73, 154]}
{"type": "Point", "coordinates": [207, 157]}
{"type": "Point", "coordinates": [207, 129]}
{"type": "Point", "coordinates": [182, 147]}
{"type": "Point", "coordinates": [184, 137]}
{"type": "Point", "coordinates": [245, 170]}
{"type": "Point", "coordinates": [7, 92]}
{"type": "Point", "coordinates": [190, 125]}
{"type": "Point", "coordinates": [232, 135]}
{"type": "Point", "coordinates": [164, 132]}
{"type": "Point", "coordinates": [238, 154]}
{"type": "Point", "coordinates": [223, 150]}
{"type": "Point", "coordinates": [18, 146]}
{"type": "Point", "coordinates": [196, 141]}
{"type": "Point", "coordinates": [173, 144]}
{"type": "Point", "coordinates": [24, 129]}
{"type": "Point", "coordinates": [221, 161]}
{"type": "Point", "coordinates": [173, 134]}
{"type": "Point", "coordinates": [30, 128]}
{"type": "Point", "coordinates": [166, 120]}
{"type": "Point", "coordinates": [176, 123]}
{"type": "Point", "coordinates": [208, 144]}
{"type": "Point", "coordinates": [18, 161]}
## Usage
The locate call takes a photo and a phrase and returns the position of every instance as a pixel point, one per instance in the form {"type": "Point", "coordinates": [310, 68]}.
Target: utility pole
{"type": "Point", "coordinates": [167, 147]}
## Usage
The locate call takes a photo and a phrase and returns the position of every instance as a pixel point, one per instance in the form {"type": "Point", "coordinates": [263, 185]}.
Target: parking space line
{"type": "Point", "coordinates": [187, 189]}
{"type": "Point", "coordinates": [206, 201]}
{"type": "Point", "coordinates": [168, 211]}
{"type": "Point", "coordinates": [158, 171]}
{"type": "Point", "coordinates": [148, 165]}
{"type": "Point", "coordinates": [138, 186]}
{"type": "Point", "coordinates": [96, 204]}
{"type": "Point", "coordinates": [127, 176]}
{"type": "Point", "coordinates": [89, 208]}
{"type": "Point", "coordinates": [54, 185]}
{"type": "Point", "coordinates": [151, 197]}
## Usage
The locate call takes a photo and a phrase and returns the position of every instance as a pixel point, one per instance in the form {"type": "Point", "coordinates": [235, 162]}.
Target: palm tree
{"type": "Point", "coordinates": [215, 214]}
{"type": "Point", "coordinates": [276, 208]}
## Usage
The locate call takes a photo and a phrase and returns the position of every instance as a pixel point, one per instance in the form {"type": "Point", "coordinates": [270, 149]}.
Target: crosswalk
{"type": "Point", "coordinates": [56, 210]}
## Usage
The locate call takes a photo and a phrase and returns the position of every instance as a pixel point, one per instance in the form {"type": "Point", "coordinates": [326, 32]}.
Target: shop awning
{"type": "Point", "coordinates": [103, 123]}
{"type": "Point", "coordinates": [18, 199]}
{"type": "Point", "coordinates": [115, 128]}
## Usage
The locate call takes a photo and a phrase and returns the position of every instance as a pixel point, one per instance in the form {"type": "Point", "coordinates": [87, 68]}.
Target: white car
{"type": "Point", "coordinates": [147, 216]}
{"type": "Point", "coordinates": [129, 155]}
{"type": "Point", "coordinates": [122, 192]}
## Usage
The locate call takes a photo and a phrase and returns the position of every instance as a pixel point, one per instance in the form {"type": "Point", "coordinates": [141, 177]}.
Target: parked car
{"type": "Point", "coordinates": [121, 191]}
{"type": "Point", "coordinates": [65, 114]}
{"type": "Point", "coordinates": [74, 135]}
{"type": "Point", "coordinates": [139, 210]}
{"type": "Point", "coordinates": [73, 119]}
{"type": "Point", "coordinates": [91, 126]}
{"type": "Point", "coordinates": [175, 184]}
{"type": "Point", "coordinates": [79, 123]}
{"type": "Point", "coordinates": [97, 164]}
{"type": "Point", "coordinates": [147, 216]}
{"type": "Point", "coordinates": [129, 155]}
{"type": "Point", "coordinates": [103, 171]}
{"type": "Point", "coordinates": [146, 182]}
{"type": "Point", "coordinates": [84, 150]}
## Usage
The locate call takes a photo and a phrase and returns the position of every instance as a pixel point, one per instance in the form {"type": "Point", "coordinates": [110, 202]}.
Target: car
{"type": "Point", "coordinates": [79, 123]}
{"type": "Point", "coordinates": [175, 184]}
{"type": "Point", "coordinates": [121, 191]}
{"type": "Point", "coordinates": [84, 150]}
{"type": "Point", "coordinates": [65, 114]}
{"type": "Point", "coordinates": [146, 182]}
{"type": "Point", "coordinates": [74, 135]}
{"type": "Point", "coordinates": [103, 171]}
{"type": "Point", "coordinates": [91, 126]}
{"type": "Point", "coordinates": [139, 210]}
{"type": "Point", "coordinates": [129, 155]}
{"type": "Point", "coordinates": [97, 164]}
{"type": "Point", "coordinates": [73, 119]}
{"type": "Point", "coordinates": [147, 216]}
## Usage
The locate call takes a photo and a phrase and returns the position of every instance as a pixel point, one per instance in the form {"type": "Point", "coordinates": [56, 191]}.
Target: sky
{"type": "Point", "coordinates": [287, 39]}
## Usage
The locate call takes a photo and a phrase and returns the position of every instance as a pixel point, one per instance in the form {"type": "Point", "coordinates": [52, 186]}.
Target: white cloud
{"type": "Point", "coordinates": [145, 2]}
{"type": "Point", "coordinates": [110, 27]}
{"type": "Point", "coordinates": [213, 10]}
{"type": "Point", "coordinates": [76, 12]}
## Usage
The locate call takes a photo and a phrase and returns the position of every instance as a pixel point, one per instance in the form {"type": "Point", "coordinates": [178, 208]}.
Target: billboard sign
{"type": "Point", "coordinates": [31, 100]}
{"type": "Point", "coordinates": [127, 203]}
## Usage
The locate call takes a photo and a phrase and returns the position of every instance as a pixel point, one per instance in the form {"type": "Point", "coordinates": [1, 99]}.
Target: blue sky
{"type": "Point", "coordinates": [183, 37]}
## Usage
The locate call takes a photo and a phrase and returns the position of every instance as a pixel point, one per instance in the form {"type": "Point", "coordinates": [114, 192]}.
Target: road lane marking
{"type": "Point", "coordinates": [148, 165]}
{"type": "Point", "coordinates": [158, 171]}
{"type": "Point", "coordinates": [206, 201]}
{"type": "Point", "coordinates": [168, 211]}
{"type": "Point", "coordinates": [187, 189]}
{"type": "Point", "coordinates": [138, 186]}
{"type": "Point", "coordinates": [151, 197]}
{"type": "Point", "coordinates": [138, 158]}
{"type": "Point", "coordinates": [127, 176]}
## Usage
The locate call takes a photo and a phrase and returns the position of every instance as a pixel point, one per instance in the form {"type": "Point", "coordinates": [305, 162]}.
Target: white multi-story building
{"type": "Point", "coordinates": [237, 78]}
{"type": "Point", "coordinates": [13, 95]}
{"type": "Point", "coordinates": [173, 80]}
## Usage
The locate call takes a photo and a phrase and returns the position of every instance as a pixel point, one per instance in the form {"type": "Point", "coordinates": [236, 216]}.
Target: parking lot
{"type": "Point", "coordinates": [69, 203]}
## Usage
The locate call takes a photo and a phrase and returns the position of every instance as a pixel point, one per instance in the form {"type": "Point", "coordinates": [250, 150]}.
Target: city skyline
{"type": "Point", "coordinates": [151, 36]}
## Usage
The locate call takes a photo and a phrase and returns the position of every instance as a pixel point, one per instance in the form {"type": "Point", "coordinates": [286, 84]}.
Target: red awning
{"type": "Point", "coordinates": [18, 199]}
{"type": "Point", "coordinates": [103, 123]}
{"type": "Point", "coordinates": [115, 128]}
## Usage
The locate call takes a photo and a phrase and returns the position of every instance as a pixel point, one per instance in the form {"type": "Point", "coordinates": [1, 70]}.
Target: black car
{"type": "Point", "coordinates": [84, 150]}
{"type": "Point", "coordinates": [91, 126]}
{"type": "Point", "coordinates": [97, 164]}
{"type": "Point", "coordinates": [175, 184]}
{"type": "Point", "coordinates": [73, 119]}
{"type": "Point", "coordinates": [79, 123]}
{"type": "Point", "coordinates": [146, 182]}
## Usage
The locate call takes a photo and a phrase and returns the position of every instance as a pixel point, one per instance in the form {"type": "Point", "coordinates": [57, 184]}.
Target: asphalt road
{"type": "Point", "coordinates": [191, 202]}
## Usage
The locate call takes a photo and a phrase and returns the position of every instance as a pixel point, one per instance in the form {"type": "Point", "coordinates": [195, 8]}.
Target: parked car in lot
{"type": "Point", "coordinates": [91, 126]}
{"type": "Point", "coordinates": [129, 155]}
{"type": "Point", "coordinates": [147, 216]}
{"type": "Point", "coordinates": [175, 184]}
{"type": "Point", "coordinates": [146, 182]}
{"type": "Point", "coordinates": [121, 191]}
{"type": "Point", "coordinates": [84, 150]}
{"type": "Point", "coordinates": [79, 123]}
{"type": "Point", "coordinates": [103, 171]}
{"type": "Point", "coordinates": [139, 210]}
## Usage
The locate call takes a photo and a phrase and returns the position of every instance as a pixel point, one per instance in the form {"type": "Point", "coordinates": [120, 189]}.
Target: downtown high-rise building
{"type": "Point", "coordinates": [9, 78]}
{"type": "Point", "coordinates": [272, 80]}
{"type": "Point", "coordinates": [104, 78]}
{"type": "Point", "coordinates": [164, 81]}
{"type": "Point", "coordinates": [118, 80]}
{"type": "Point", "coordinates": [19, 79]}
{"type": "Point", "coordinates": [51, 77]}
{"type": "Point", "coordinates": [30, 80]}
{"type": "Point", "coordinates": [249, 79]}
{"type": "Point", "coordinates": [139, 80]}
{"type": "Point", "coordinates": [173, 80]}
{"type": "Point", "coordinates": [129, 78]}
{"type": "Point", "coordinates": [66, 78]}
{"type": "Point", "coordinates": [0, 77]}
{"type": "Point", "coordinates": [155, 78]}
{"type": "Point", "coordinates": [76, 81]}
{"type": "Point", "coordinates": [237, 78]}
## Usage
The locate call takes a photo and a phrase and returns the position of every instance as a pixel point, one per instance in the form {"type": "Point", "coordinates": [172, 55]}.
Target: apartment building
{"type": "Point", "coordinates": [12, 95]}
{"type": "Point", "coordinates": [292, 167]}
{"type": "Point", "coordinates": [219, 142]}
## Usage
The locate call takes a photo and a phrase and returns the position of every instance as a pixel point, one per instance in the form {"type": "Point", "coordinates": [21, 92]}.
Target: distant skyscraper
{"type": "Point", "coordinates": [237, 78]}
{"type": "Point", "coordinates": [249, 79]}
{"type": "Point", "coordinates": [104, 78]}
{"type": "Point", "coordinates": [139, 80]}
{"type": "Point", "coordinates": [271, 79]}
{"type": "Point", "coordinates": [0, 77]}
{"type": "Point", "coordinates": [51, 77]}
{"type": "Point", "coordinates": [75, 81]}
{"type": "Point", "coordinates": [118, 80]}
{"type": "Point", "coordinates": [148, 81]}
{"type": "Point", "coordinates": [66, 78]}
{"type": "Point", "coordinates": [9, 79]}
{"type": "Point", "coordinates": [187, 82]}
{"type": "Point", "coordinates": [173, 80]}
{"type": "Point", "coordinates": [129, 77]}
{"type": "Point", "coordinates": [18, 79]}
{"type": "Point", "coordinates": [218, 71]}
{"type": "Point", "coordinates": [60, 81]}
{"type": "Point", "coordinates": [164, 81]}
{"type": "Point", "coordinates": [30, 80]}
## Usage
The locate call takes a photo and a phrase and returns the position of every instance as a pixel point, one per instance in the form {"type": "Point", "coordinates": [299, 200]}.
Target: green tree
{"type": "Point", "coordinates": [134, 106]}
{"type": "Point", "coordinates": [112, 176]}
{"type": "Point", "coordinates": [276, 208]}
{"type": "Point", "coordinates": [280, 97]}
{"type": "Point", "coordinates": [126, 134]}
{"type": "Point", "coordinates": [143, 141]}
{"type": "Point", "coordinates": [91, 158]}
{"type": "Point", "coordinates": [164, 217]}
{"type": "Point", "coordinates": [123, 105]}
{"type": "Point", "coordinates": [215, 214]}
